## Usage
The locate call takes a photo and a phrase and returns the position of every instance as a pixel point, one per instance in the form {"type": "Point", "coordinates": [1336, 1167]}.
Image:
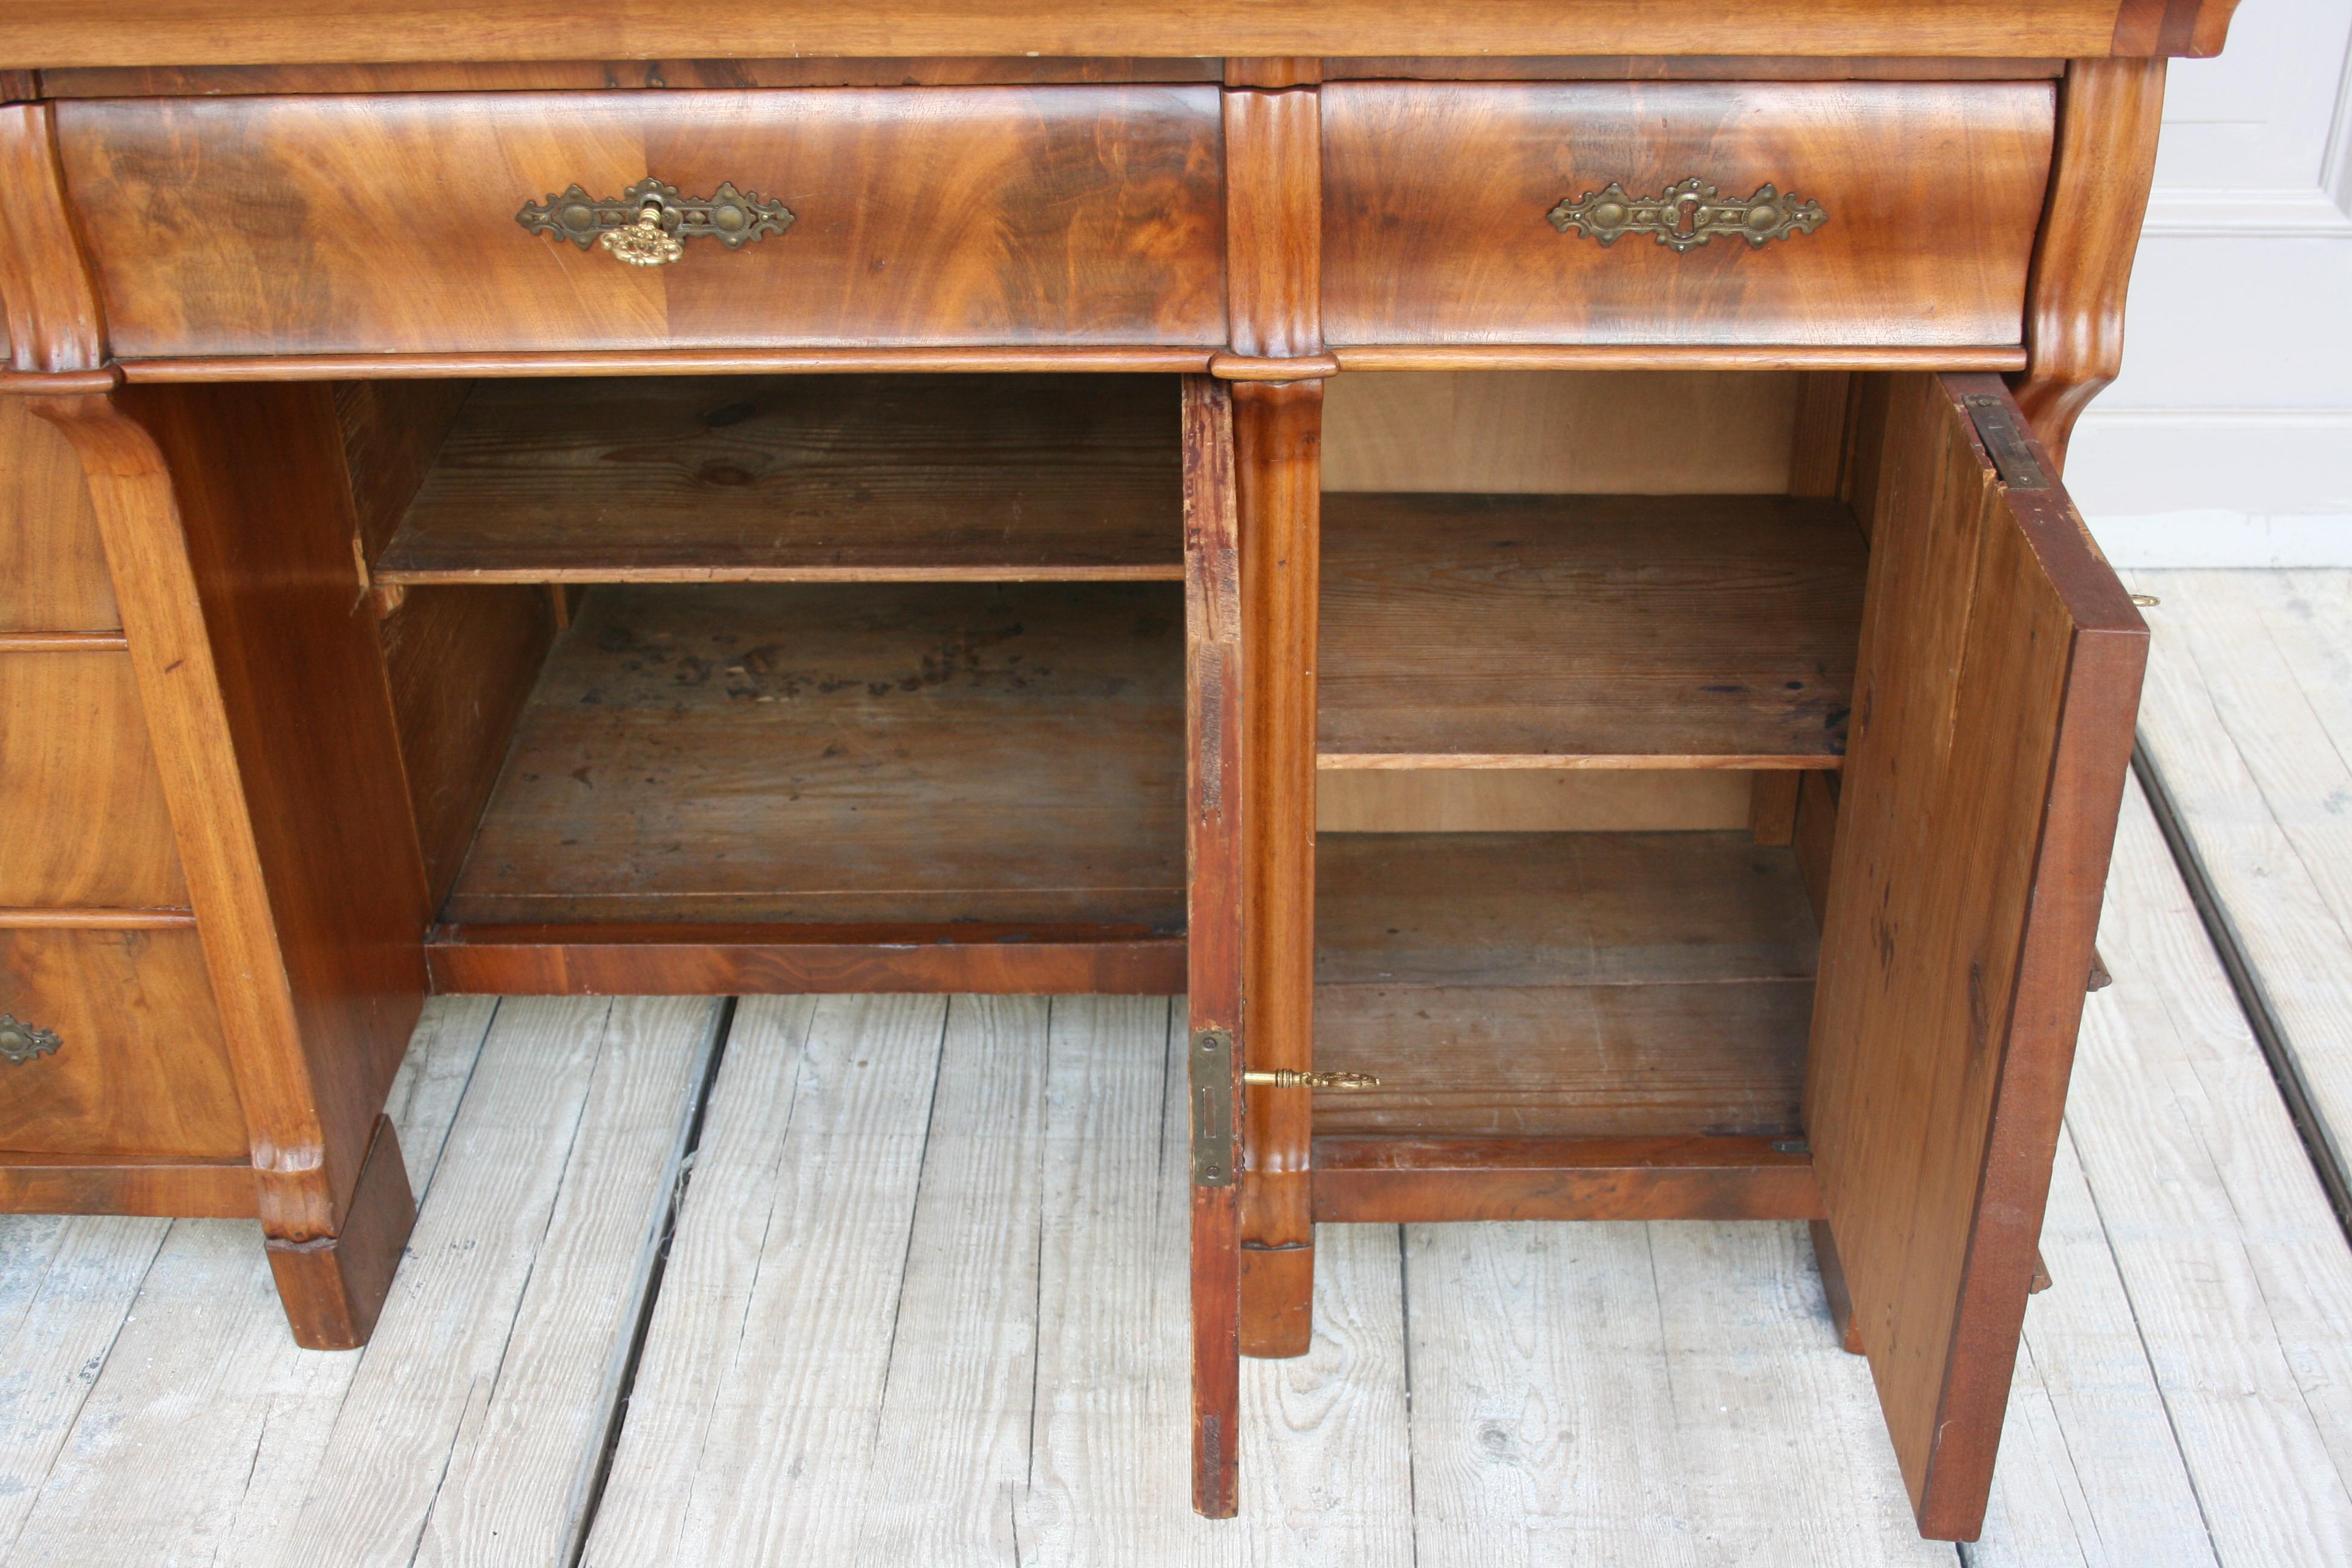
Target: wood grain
{"type": "Point", "coordinates": [1274, 236]}
{"type": "Point", "coordinates": [2109, 113]}
{"type": "Point", "coordinates": [1817, 444]}
{"type": "Point", "coordinates": [1524, 800]}
{"type": "Point", "coordinates": [1277, 444]}
{"type": "Point", "coordinates": [1772, 806]}
{"type": "Point", "coordinates": [460, 663]}
{"type": "Point", "coordinates": [165, 1188]}
{"type": "Point", "coordinates": [526, 1279]}
{"type": "Point", "coordinates": [731, 361]}
{"type": "Point", "coordinates": [1424, 1180]}
{"type": "Point", "coordinates": [830, 753]}
{"type": "Point", "coordinates": [50, 33]}
{"type": "Point", "coordinates": [1562, 432]}
{"type": "Point", "coordinates": [783, 479]}
{"type": "Point", "coordinates": [391, 432]}
{"type": "Point", "coordinates": [952, 1436]}
{"type": "Point", "coordinates": [1562, 985]}
{"type": "Point", "coordinates": [679, 959]}
{"type": "Point", "coordinates": [47, 298]}
{"type": "Point", "coordinates": [82, 815]}
{"type": "Point", "coordinates": [52, 561]}
{"type": "Point", "coordinates": [165, 80]}
{"type": "Point", "coordinates": [1648, 68]}
{"type": "Point", "coordinates": [229, 539]}
{"type": "Point", "coordinates": [1998, 674]}
{"type": "Point", "coordinates": [1559, 356]}
{"type": "Point", "coordinates": [794, 1232]}
{"type": "Point", "coordinates": [142, 1068]}
{"type": "Point", "coordinates": [1544, 632]}
{"type": "Point", "coordinates": [1434, 228]}
{"type": "Point", "coordinates": [1216, 841]}
{"type": "Point", "coordinates": [1076, 214]}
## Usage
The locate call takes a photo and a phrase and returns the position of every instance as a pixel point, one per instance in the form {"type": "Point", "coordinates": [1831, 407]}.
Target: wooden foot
{"type": "Point", "coordinates": [1278, 1300]}
{"type": "Point", "coordinates": [1833, 1286]}
{"type": "Point", "coordinates": [333, 1287]}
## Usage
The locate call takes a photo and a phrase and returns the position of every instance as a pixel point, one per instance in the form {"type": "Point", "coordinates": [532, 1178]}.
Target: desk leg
{"type": "Point", "coordinates": [227, 525]}
{"type": "Point", "coordinates": [1278, 439]}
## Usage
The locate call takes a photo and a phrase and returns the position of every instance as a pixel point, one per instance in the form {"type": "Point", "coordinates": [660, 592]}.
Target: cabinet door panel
{"type": "Point", "coordinates": [1997, 679]}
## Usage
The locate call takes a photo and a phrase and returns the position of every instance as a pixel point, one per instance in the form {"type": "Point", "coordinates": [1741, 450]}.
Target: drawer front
{"type": "Point", "coordinates": [82, 819]}
{"type": "Point", "coordinates": [52, 565]}
{"type": "Point", "coordinates": [120, 1046]}
{"type": "Point", "coordinates": [942, 217]}
{"type": "Point", "coordinates": [1440, 202]}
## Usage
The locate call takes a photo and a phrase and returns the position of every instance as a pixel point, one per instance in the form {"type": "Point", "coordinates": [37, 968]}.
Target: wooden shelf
{"type": "Point", "coordinates": [915, 768]}
{"type": "Point", "coordinates": [1571, 986]}
{"type": "Point", "coordinates": [802, 479]}
{"type": "Point", "coordinates": [1587, 631]}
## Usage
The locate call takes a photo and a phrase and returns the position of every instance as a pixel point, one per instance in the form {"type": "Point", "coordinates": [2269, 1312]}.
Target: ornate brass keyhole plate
{"type": "Point", "coordinates": [21, 1042]}
{"type": "Point", "coordinates": [1686, 216]}
{"type": "Point", "coordinates": [649, 224]}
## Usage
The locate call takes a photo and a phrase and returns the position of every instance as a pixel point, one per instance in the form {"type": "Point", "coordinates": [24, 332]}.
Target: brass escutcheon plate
{"type": "Point", "coordinates": [732, 217]}
{"type": "Point", "coordinates": [21, 1042]}
{"type": "Point", "coordinates": [1686, 216]}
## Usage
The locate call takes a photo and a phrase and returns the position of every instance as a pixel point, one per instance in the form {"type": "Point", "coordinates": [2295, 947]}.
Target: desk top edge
{"type": "Point", "coordinates": [58, 33]}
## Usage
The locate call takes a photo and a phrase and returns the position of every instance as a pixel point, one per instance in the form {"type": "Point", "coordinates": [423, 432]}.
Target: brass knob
{"type": "Point", "coordinates": [1291, 1078]}
{"type": "Point", "coordinates": [21, 1042]}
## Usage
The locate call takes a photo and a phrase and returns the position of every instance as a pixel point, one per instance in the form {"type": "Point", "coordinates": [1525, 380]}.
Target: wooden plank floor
{"type": "Point", "coordinates": [922, 1302]}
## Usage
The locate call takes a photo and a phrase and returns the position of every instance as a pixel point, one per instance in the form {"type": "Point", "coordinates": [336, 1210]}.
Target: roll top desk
{"type": "Point", "coordinates": [1515, 552]}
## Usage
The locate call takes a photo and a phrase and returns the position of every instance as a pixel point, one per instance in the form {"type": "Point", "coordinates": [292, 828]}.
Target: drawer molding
{"type": "Point", "coordinates": [1687, 214]}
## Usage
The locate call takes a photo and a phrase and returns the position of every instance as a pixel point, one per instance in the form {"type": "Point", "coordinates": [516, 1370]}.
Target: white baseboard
{"type": "Point", "coordinates": [2216, 487]}
{"type": "Point", "coordinates": [2224, 539]}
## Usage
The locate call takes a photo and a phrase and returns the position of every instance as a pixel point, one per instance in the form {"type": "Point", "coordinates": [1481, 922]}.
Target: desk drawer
{"type": "Point", "coordinates": [110, 1045]}
{"type": "Point", "coordinates": [82, 818]}
{"type": "Point", "coordinates": [943, 216]}
{"type": "Point", "coordinates": [1473, 213]}
{"type": "Point", "coordinates": [53, 574]}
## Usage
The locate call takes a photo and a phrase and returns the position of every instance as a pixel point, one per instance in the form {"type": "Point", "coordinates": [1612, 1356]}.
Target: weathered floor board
{"type": "Point", "coordinates": [925, 1299]}
{"type": "Point", "coordinates": [2237, 1275]}
{"type": "Point", "coordinates": [2247, 718]}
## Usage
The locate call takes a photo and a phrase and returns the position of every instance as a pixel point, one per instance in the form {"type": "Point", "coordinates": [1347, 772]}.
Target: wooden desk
{"type": "Point", "coordinates": [728, 510]}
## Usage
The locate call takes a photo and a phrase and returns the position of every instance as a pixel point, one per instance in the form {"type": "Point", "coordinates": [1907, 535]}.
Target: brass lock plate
{"type": "Point", "coordinates": [1212, 1080]}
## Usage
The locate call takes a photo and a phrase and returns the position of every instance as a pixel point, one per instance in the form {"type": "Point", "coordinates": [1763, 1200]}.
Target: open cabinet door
{"type": "Point", "coordinates": [1213, 654]}
{"type": "Point", "coordinates": [1994, 698]}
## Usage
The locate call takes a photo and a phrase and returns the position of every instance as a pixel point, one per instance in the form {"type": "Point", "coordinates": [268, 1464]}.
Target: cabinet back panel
{"type": "Point", "coordinates": [1561, 432]}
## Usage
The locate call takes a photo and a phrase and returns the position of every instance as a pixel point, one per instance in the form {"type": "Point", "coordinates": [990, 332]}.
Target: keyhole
{"type": "Point", "coordinates": [1686, 213]}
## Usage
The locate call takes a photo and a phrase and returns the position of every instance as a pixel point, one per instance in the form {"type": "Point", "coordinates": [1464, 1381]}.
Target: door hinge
{"type": "Point", "coordinates": [1997, 426]}
{"type": "Point", "coordinates": [1212, 1108]}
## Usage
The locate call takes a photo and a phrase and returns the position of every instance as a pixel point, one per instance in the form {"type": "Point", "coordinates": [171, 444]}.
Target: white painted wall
{"type": "Point", "coordinates": [2228, 440]}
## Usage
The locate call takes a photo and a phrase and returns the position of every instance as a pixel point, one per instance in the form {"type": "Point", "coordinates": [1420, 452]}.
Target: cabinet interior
{"type": "Point", "coordinates": [899, 660]}
{"type": "Point", "coordinates": [1586, 665]}
{"type": "Point", "coordinates": [868, 661]}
